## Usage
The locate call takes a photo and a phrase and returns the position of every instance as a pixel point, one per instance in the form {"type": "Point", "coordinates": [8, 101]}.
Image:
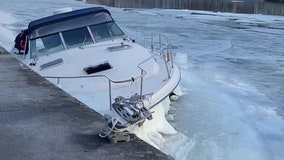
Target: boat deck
{"type": "Point", "coordinates": [40, 121]}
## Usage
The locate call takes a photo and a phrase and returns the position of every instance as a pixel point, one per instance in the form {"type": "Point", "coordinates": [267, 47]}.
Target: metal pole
{"type": "Point", "coordinates": [141, 85]}
{"type": "Point", "coordinates": [166, 64]}
{"type": "Point", "coordinates": [109, 92]}
{"type": "Point", "coordinates": [152, 45]}
{"type": "Point", "coordinates": [26, 42]}
{"type": "Point", "coordinates": [160, 41]}
{"type": "Point", "coordinates": [136, 37]}
{"type": "Point", "coordinates": [171, 54]}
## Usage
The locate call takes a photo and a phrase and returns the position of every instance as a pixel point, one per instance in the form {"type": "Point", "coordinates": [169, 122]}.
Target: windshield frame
{"type": "Point", "coordinates": [114, 33]}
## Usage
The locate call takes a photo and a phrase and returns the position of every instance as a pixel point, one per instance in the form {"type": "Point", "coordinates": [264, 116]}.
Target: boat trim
{"type": "Point", "coordinates": [50, 64]}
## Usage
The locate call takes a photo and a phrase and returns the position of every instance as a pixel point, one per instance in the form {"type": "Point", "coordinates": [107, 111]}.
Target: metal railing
{"type": "Point", "coordinates": [163, 51]}
{"type": "Point", "coordinates": [110, 81]}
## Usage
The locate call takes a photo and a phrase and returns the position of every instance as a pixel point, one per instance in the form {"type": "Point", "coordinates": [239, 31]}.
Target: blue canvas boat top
{"type": "Point", "coordinates": [64, 16]}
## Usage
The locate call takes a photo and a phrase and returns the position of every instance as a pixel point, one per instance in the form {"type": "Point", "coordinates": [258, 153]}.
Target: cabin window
{"type": "Point", "coordinates": [105, 31]}
{"type": "Point", "coordinates": [45, 45]}
{"type": "Point", "coordinates": [77, 37]}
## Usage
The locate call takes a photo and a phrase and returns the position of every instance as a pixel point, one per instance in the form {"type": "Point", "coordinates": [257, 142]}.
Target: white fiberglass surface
{"type": "Point", "coordinates": [232, 74]}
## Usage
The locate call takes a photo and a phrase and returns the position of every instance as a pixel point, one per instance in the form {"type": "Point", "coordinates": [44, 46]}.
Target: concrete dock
{"type": "Point", "coordinates": [39, 121]}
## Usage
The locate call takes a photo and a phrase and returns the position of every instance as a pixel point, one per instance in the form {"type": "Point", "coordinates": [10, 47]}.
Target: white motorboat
{"type": "Point", "coordinates": [85, 53]}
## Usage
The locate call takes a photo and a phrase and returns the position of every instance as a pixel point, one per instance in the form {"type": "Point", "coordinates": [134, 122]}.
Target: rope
{"type": "Point", "coordinates": [105, 133]}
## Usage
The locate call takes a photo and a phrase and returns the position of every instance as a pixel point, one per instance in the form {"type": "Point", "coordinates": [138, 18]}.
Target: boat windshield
{"type": "Point", "coordinates": [77, 37]}
{"type": "Point", "coordinates": [46, 45]}
{"type": "Point", "coordinates": [73, 33]}
{"type": "Point", "coordinates": [105, 31]}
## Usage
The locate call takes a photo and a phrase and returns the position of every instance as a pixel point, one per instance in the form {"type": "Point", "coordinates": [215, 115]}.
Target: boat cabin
{"type": "Point", "coordinates": [71, 29]}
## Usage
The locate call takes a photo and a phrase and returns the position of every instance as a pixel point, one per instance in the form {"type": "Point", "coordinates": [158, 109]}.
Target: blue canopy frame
{"type": "Point", "coordinates": [64, 16]}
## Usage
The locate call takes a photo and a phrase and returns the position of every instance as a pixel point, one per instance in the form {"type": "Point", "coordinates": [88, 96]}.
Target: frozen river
{"type": "Point", "coordinates": [235, 6]}
{"type": "Point", "coordinates": [232, 75]}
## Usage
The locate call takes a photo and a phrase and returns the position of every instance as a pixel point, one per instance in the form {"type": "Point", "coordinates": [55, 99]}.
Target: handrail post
{"type": "Point", "coordinates": [141, 84]}
{"type": "Point", "coordinates": [136, 36]}
{"type": "Point", "coordinates": [57, 80]}
{"type": "Point", "coordinates": [144, 40]}
{"type": "Point", "coordinates": [160, 41]}
{"type": "Point", "coordinates": [109, 93]}
{"type": "Point", "coordinates": [152, 43]}
{"type": "Point", "coordinates": [166, 63]}
{"type": "Point", "coordinates": [171, 54]}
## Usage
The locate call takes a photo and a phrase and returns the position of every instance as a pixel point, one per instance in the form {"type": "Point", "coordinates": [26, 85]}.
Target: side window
{"type": "Point", "coordinates": [45, 45]}
{"type": "Point", "coordinates": [77, 37]}
{"type": "Point", "coordinates": [39, 45]}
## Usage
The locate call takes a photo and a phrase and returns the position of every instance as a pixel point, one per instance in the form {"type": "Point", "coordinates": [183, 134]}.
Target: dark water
{"type": "Point", "coordinates": [235, 6]}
